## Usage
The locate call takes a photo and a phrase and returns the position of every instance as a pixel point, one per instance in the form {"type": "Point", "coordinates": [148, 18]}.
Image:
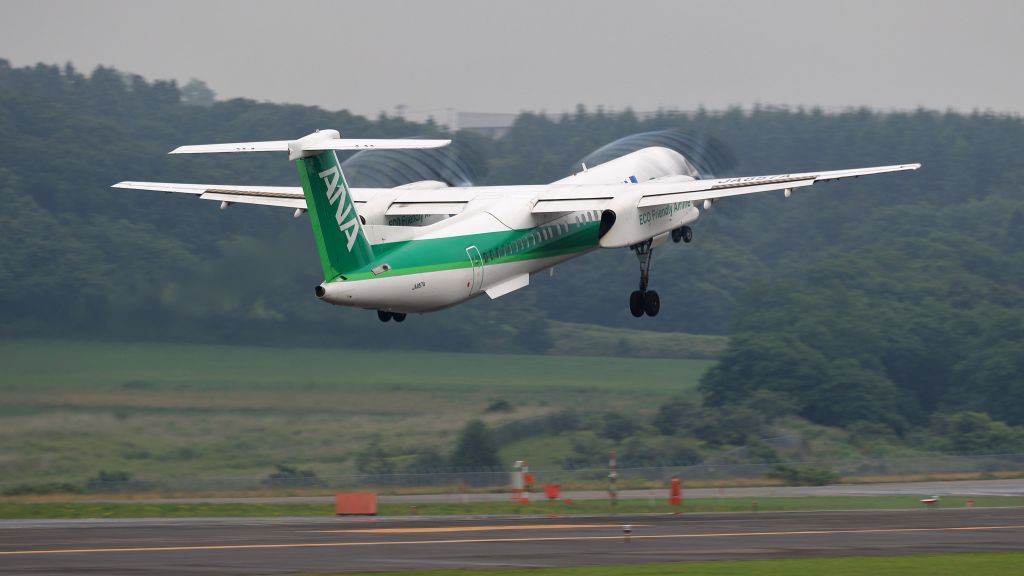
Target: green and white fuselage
{"type": "Point", "coordinates": [425, 246]}
{"type": "Point", "coordinates": [491, 246]}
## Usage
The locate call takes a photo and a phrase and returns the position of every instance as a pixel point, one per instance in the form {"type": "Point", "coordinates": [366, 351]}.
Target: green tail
{"type": "Point", "coordinates": [339, 235]}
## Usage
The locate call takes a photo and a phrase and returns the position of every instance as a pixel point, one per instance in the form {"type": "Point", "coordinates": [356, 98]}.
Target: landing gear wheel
{"type": "Point", "coordinates": [636, 303]}
{"type": "Point", "coordinates": [686, 233]}
{"type": "Point", "coordinates": [652, 303]}
{"type": "Point", "coordinates": [383, 315]}
{"type": "Point", "coordinates": [399, 317]}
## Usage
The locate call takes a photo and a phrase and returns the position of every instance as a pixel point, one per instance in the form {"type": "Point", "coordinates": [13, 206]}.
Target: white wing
{"type": "Point", "coordinates": [596, 197]}
{"type": "Point", "coordinates": [281, 196]}
{"type": "Point", "coordinates": [562, 198]}
{"type": "Point", "coordinates": [403, 199]}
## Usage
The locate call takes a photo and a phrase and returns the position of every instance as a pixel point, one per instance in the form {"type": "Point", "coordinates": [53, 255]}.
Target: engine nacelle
{"type": "Point", "coordinates": [373, 212]}
{"type": "Point", "coordinates": [624, 224]}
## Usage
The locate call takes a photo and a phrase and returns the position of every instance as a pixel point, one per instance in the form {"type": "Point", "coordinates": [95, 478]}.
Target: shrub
{"type": "Point", "coordinates": [292, 477]}
{"type": "Point", "coordinates": [618, 426]}
{"type": "Point", "coordinates": [115, 481]}
{"type": "Point", "coordinates": [803, 476]}
{"type": "Point", "coordinates": [476, 447]}
{"type": "Point", "coordinates": [500, 406]}
{"type": "Point", "coordinates": [47, 488]}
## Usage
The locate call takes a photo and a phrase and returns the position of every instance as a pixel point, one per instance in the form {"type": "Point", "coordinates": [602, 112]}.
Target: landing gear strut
{"type": "Point", "coordinates": [384, 316]}
{"type": "Point", "coordinates": [644, 301]}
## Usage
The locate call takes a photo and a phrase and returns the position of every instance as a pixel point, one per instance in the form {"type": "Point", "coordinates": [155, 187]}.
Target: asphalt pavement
{"type": "Point", "coordinates": [296, 545]}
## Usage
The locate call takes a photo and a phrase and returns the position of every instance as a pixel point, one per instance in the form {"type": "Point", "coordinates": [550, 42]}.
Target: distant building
{"type": "Point", "coordinates": [493, 124]}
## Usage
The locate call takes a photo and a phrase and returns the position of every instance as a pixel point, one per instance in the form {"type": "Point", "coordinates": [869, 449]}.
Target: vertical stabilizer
{"type": "Point", "coordinates": [340, 240]}
{"type": "Point", "coordinates": [336, 225]}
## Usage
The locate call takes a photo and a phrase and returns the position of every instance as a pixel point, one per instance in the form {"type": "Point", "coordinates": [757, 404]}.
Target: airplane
{"type": "Point", "coordinates": [425, 246]}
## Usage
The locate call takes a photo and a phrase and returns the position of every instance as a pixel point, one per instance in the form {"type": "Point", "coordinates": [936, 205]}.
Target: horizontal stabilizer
{"type": "Point", "coordinates": [318, 146]}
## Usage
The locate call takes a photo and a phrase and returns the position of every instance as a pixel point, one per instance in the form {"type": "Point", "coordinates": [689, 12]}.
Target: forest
{"type": "Point", "coordinates": [886, 300]}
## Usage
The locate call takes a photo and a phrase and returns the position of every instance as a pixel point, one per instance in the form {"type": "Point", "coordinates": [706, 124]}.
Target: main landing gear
{"type": "Point", "coordinates": [684, 233]}
{"type": "Point", "coordinates": [644, 301]}
{"type": "Point", "coordinates": [384, 316]}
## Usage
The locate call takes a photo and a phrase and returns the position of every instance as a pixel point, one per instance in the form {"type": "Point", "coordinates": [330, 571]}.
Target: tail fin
{"type": "Point", "coordinates": [336, 225]}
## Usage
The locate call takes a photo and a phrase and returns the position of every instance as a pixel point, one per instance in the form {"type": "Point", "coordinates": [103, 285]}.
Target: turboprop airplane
{"type": "Point", "coordinates": [425, 246]}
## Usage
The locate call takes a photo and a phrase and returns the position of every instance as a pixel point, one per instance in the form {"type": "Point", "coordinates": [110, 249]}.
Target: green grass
{"type": "Point", "coordinates": [203, 412]}
{"type": "Point", "coordinates": [975, 564]}
{"type": "Point", "coordinates": [594, 340]}
{"type": "Point", "coordinates": [72, 365]}
{"type": "Point", "coordinates": [14, 509]}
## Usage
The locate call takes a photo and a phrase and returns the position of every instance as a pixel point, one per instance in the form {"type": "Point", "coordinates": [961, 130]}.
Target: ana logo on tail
{"type": "Point", "coordinates": [339, 194]}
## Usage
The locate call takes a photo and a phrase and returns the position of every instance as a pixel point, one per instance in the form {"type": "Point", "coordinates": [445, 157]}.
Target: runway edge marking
{"type": "Point", "coordinates": [494, 540]}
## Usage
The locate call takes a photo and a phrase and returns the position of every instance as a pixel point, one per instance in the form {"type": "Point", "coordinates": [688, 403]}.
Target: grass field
{"type": "Point", "coordinates": [984, 564]}
{"type": "Point", "coordinates": [10, 510]}
{"type": "Point", "coordinates": [69, 409]}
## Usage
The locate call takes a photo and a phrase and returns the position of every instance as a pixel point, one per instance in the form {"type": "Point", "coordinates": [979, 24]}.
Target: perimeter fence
{"type": "Point", "coordinates": [465, 480]}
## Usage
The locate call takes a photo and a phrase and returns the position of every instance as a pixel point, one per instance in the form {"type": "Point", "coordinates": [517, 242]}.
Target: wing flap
{"type": "Point", "coordinates": [721, 192]}
{"type": "Point", "coordinates": [580, 205]}
{"type": "Point", "coordinates": [259, 200]}
{"type": "Point", "coordinates": [426, 208]}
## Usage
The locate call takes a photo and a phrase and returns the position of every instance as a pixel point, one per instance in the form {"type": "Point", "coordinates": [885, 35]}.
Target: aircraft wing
{"type": "Point", "coordinates": [407, 199]}
{"type": "Point", "coordinates": [570, 198]}
{"type": "Point", "coordinates": [281, 196]}
{"type": "Point", "coordinates": [549, 199]}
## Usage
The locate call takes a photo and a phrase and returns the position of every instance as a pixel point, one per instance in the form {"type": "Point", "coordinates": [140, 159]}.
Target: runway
{"type": "Point", "coordinates": [277, 546]}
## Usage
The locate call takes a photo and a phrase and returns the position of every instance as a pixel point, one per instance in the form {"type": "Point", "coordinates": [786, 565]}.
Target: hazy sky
{"type": "Point", "coordinates": [546, 55]}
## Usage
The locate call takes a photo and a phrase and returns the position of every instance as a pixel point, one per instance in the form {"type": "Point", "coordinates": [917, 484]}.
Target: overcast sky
{"type": "Point", "coordinates": [546, 55]}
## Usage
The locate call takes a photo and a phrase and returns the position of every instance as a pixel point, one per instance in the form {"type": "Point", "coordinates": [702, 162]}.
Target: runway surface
{"type": "Point", "coordinates": [276, 546]}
